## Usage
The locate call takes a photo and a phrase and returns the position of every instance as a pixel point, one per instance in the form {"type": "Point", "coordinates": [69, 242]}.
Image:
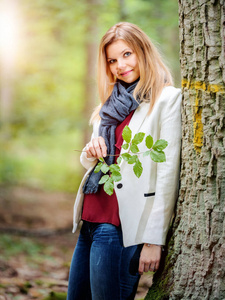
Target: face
{"type": "Point", "coordinates": [122, 61]}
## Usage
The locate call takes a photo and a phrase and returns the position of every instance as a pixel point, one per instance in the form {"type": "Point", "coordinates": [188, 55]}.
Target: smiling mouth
{"type": "Point", "coordinates": [125, 73]}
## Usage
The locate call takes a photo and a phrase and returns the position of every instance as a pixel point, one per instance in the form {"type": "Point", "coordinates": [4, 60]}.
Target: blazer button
{"type": "Point", "coordinates": [119, 185]}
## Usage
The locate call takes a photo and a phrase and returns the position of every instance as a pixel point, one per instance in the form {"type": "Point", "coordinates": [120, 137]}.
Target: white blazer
{"type": "Point", "coordinates": [146, 204]}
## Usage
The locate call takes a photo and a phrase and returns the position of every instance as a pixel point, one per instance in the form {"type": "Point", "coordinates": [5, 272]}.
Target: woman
{"type": "Point", "coordinates": [122, 235]}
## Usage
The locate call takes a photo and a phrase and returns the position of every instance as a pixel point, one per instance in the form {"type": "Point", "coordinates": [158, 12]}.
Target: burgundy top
{"type": "Point", "coordinates": [100, 207]}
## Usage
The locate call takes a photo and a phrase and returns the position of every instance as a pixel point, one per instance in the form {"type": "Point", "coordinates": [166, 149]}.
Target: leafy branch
{"type": "Point", "coordinates": [112, 172]}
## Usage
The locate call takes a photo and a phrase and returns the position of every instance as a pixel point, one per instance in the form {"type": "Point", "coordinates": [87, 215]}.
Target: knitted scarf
{"type": "Point", "coordinates": [117, 107]}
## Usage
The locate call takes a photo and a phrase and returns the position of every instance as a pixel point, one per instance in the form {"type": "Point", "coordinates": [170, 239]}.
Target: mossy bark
{"type": "Point", "coordinates": [194, 265]}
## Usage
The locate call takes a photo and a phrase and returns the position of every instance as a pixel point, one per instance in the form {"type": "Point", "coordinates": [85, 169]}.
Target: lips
{"type": "Point", "coordinates": [126, 73]}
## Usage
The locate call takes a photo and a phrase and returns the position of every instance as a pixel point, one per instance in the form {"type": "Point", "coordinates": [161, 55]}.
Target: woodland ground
{"type": "Point", "coordinates": [36, 244]}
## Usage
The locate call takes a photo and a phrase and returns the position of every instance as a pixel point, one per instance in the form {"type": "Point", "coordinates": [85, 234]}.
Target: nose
{"type": "Point", "coordinates": [121, 64]}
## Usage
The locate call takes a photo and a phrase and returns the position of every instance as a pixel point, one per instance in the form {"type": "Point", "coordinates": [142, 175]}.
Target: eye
{"type": "Point", "coordinates": [126, 54]}
{"type": "Point", "coordinates": [111, 61]}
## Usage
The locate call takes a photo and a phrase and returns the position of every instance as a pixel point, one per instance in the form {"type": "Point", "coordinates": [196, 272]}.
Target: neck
{"type": "Point", "coordinates": [126, 84]}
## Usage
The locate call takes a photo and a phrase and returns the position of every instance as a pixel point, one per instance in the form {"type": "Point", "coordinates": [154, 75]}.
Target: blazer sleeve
{"type": "Point", "coordinates": [86, 162]}
{"type": "Point", "coordinates": [167, 173]}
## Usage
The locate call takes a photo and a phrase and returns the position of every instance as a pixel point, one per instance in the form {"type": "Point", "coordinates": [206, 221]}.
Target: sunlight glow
{"type": "Point", "coordinates": [9, 31]}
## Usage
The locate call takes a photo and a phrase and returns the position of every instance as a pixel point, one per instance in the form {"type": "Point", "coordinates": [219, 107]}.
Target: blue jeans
{"type": "Point", "coordinates": [101, 268]}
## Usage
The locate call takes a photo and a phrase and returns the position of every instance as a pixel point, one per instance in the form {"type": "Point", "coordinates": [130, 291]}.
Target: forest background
{"type": "Point", "coordinates": [48, 64]}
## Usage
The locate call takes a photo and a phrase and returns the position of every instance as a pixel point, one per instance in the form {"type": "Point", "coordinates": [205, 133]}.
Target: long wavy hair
{"type": "Point", "coordinates": [154, 74]}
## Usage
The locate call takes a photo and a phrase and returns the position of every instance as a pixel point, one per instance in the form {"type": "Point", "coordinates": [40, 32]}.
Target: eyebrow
{"type": "Point", "coordinates": [108, 58]}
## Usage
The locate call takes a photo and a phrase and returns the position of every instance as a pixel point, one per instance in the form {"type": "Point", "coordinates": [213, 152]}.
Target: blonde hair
{"type": "Point", "coordinates": [154, 75]}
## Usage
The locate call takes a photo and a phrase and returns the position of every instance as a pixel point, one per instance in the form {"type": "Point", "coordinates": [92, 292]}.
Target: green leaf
{"type": "Point", "coordinates": [133, 159]}
{"type": "Point", "coordinates": [116, 176]}
{"type": "Point", "coordinates": [101, 159]}
{"type": "Point", "coordinates": [114, 168]}
{"type": "Point", "coordinates": [105, 168]}
{"type": "Point", "coordinates": [109, 186]}
{"type": "Point", "coordinates": [149, 141]}
{"type": "Point", "coordinates": [160, 145]}
{"type": "Point", "coordinates": [146, 153]}
{"type": "Point", "coordinates": [126, 156]}
{"type": "Point", "coordinates": [134, 148]}
{"type": "Point", "coordinates": [138, 168]}
{"type": "Point", "coordinates": [125, 146]}
{"type": "Point", "coordinates": [138, 138]}
{"type": "Point", "coordinates": [119, 159]}
{"type": "Point", "coordinates": [98, 167]}
{"type": "Point", "coordinates": [127, 133]}
{"type": "Point", "coordinates": [158, 156]}
{"type": "Point", "coordinates": [103, 179]}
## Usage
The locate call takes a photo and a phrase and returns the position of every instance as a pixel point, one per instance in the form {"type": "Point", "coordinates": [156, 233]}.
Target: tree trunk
{"type": "Point", "coordinates": [194, 265]}
{"type": "Point", "coordinates": [122, 11]}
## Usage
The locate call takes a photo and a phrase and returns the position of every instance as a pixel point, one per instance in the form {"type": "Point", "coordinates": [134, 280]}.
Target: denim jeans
{"type": "Point", "coordinates": [101, 268]}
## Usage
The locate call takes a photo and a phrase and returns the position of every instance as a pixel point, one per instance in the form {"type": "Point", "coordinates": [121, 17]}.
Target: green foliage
{"type": "Point", "coordinates": [119, 160]}
{"type": "Point", "coordinates": [160, 145]}
{"type": "Point", "coordinates": [127, 134]}
{"type": "Point", "coordinates": [103, 179]}
{"type": "Point", "coordinates": [108, 180]}
{"type": "Point", "coordinates": [42, 163]}
{"type": "Point", "coordinates": [146, 153]}
{"type": "Point", "coordinates": [138, 138]}
{"type": "Point", "coordinates": [56, 296]}
{"type": "Point", "coordinates": [138, 168]}
{"type": "Point", "coordinates": [116, 176]}
{"type": "Point", "coordinates": [109, 186]}
{"type": "Point", "coordinates": [114, 168]}
{"type": "Point", "coordinates": [132, 159]}
{"type": "Point", "coordinates": [126, 156]}
{"type": "Point", "coordinates": [155, 153]}
{"type": "Point", "coordinates": [149, 141]}
{"type": "Point", "coordinates": [157, 156]}
{"type": "Point", "coordinates": [125, 146]}
{"type": "Point", "coordinates": [104, 168]}
{"type": "Point", "coordinates": [12, 246]}
{"type": "Point", "coordinates": [98, 167]}
{"type": "Point", "coordinates": [134, 148]}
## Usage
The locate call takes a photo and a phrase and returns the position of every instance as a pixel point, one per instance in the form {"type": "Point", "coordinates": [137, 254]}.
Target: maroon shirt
{"type": "Point", "coordinates": [100, 207]}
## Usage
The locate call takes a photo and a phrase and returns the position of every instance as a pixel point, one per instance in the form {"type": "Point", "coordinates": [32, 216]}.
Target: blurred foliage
{"type": "Point", "coordinates": [46, 122]}
{"type": "Point", "coordinates": [12, 246]}
{"type": "Point", "coordinates": [56, 296]}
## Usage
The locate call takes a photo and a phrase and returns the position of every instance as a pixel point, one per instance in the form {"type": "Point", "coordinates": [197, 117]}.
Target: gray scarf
{"type": "Point", "coordinates": [117, 107]}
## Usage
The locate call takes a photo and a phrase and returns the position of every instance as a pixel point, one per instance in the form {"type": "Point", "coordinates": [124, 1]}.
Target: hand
{"type": "Point", "coordinates": [149, 258]}
{"type": "Point", "coordinates": [96, 148]}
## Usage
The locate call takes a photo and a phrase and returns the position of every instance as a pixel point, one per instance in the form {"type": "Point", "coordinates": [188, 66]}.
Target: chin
{"type": "Point", "coordinates": [129, 80]}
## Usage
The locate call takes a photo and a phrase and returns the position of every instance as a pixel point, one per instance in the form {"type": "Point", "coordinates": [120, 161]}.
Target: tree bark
{"type": "Point", "coordinates": [193, 265]}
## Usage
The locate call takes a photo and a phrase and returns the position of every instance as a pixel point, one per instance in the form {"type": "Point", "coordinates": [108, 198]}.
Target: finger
{"type": "Point", "coordinates": [152, 268]}
{"type": "Point", "coordinates": [103, 146]}
{"type": "Point", "coordinates": [97, 148]}
{"type": "Point", "coordinates": [90, 150]}
{"type": "Point", "coordinates": [141, 267]}
{"type": "Point", "coordinates": [157, 265]}
{"type": "Point", "coordinates": [146, 268]}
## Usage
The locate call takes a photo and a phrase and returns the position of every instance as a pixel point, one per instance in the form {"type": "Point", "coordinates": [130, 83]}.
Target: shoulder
{"type": "Point", "coordinates": [170, 96]}
{"type": "Point", "coordinates": [170, 92]}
